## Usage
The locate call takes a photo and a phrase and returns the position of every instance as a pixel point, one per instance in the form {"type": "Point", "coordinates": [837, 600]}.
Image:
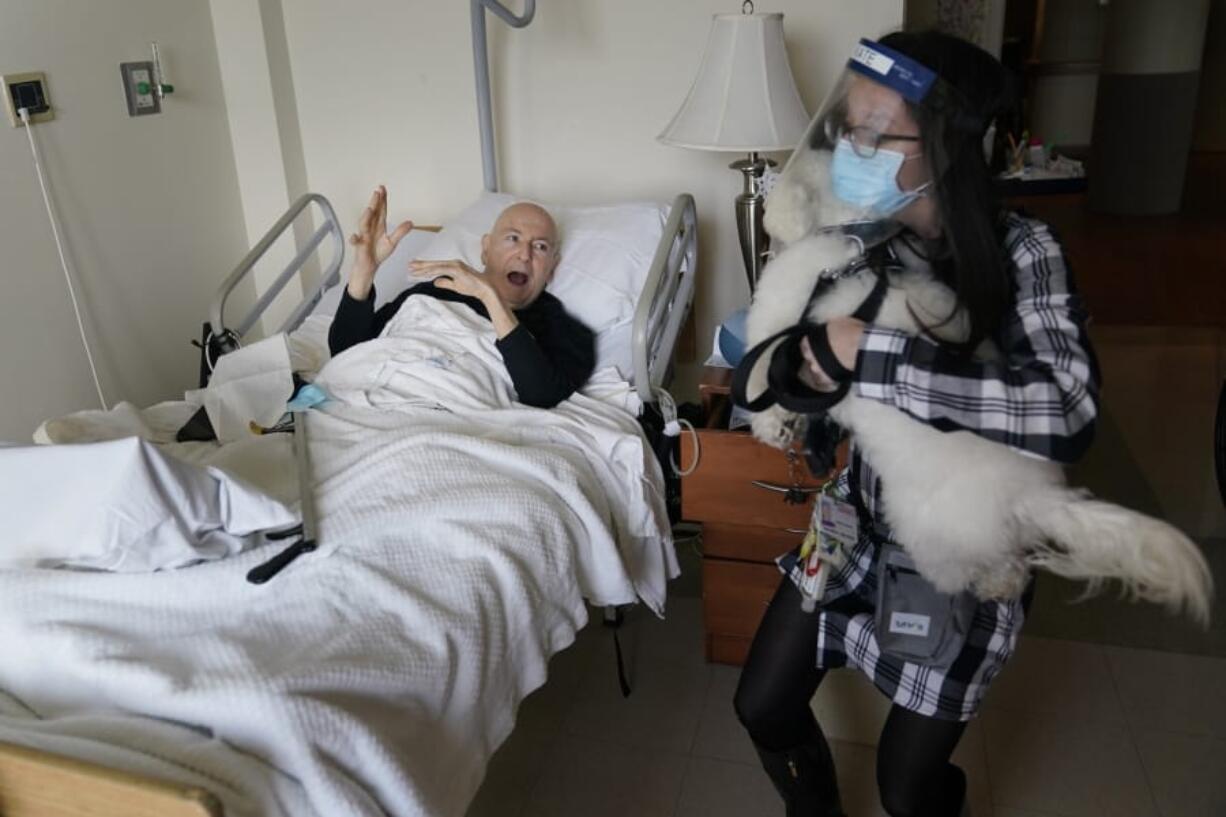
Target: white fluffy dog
{"type": "Point", "coordinates": [972, 513]}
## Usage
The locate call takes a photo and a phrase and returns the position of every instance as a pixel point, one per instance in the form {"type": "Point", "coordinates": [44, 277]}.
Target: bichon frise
{"type": "Point", "coordinates": [973, 514]}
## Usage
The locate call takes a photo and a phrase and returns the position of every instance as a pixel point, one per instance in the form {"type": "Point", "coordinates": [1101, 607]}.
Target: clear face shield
{"type": "Point", "coordinates": [861, 160]}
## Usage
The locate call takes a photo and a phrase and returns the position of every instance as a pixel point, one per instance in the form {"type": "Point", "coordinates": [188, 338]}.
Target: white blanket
{"type": "Point", "coordinates": [124, 505]}
{"type": "Point", "coordinates": [381, 677]}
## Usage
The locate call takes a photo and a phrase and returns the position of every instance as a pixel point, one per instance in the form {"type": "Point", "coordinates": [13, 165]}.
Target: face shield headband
{"type": "Point", "coordinates": [913, 81]}
{"type": "Point", "coordinates": [892, 69]}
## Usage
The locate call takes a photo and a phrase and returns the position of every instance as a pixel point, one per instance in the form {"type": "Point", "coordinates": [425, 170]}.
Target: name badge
{"type": "Point", "coordinates": [909, 624]}
{"type": "Point", "coordinates": [839, 520]}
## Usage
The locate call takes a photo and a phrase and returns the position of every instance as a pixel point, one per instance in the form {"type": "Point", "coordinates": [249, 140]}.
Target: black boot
{"type": "Point", "coordinates": [805, 779]}
{"type": "Point", "coordinates": [953, 793]}
{"type": "Point", "coordinates": [946, 799]}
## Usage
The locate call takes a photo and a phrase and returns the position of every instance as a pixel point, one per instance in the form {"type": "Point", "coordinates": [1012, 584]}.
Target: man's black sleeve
{"type": "Point", "coordinates": [357, 321]}
{"type": "Point", "coordinates": [549, 355]}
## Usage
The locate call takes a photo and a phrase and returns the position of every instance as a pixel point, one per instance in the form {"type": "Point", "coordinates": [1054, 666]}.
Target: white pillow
{"type": "Point", "coordinates": [606, 255]}
{"type": "Point", "coordinates": [390, 279]}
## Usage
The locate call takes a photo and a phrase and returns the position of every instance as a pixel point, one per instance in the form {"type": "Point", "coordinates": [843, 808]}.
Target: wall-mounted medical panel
{"type": "Point", "coordinates": [139, 88]}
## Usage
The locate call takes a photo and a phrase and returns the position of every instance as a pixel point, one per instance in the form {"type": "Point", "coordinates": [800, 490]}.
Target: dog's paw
{"type": "Point", "coordinates": [777, 427]}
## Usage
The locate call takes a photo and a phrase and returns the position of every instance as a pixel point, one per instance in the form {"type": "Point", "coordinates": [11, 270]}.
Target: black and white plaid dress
{"type": "Point", "coordinates": [1041, 400]}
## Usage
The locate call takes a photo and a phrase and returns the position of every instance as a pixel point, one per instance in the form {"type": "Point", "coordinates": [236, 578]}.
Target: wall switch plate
{"type": "Point", "coordinates": [28, 90]}
{"type": "Point", "coordinates": [138, 88]}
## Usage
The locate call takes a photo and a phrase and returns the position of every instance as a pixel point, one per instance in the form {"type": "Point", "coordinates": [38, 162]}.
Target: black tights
{"type": "Point", "coordinates": [914, 775]}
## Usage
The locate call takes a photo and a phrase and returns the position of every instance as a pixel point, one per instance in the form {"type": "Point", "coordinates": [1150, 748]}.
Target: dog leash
{"type": "Point", "coordinates": [786, 360]}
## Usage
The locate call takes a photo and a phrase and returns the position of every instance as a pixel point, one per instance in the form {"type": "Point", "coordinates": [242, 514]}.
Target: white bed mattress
{"type": "Point", "coordinates": [379, 674]}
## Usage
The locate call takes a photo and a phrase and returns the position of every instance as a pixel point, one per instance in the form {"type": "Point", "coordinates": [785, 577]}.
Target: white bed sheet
{"type": "Point", "coordinates": [378, 675]}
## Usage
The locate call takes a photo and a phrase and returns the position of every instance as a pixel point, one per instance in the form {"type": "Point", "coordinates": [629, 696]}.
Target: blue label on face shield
{"type": "Point", "coordinates": [892, 69]}
{"type": "Point", "coordinates": [871, 183]}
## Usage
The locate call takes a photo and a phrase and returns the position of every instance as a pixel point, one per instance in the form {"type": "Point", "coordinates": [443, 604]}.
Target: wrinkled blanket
{"type": "Point", "coordinates": [460, 533]}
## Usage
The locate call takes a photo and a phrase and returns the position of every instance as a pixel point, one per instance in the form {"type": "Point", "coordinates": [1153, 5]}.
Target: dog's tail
{"type": "Point", "coordinates": [1086, 538]}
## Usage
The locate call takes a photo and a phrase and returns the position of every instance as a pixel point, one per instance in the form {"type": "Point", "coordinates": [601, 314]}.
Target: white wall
{"type": "Point", "coordinates": [385, 94]}
{"type": "Point", "coordinates": [150, 206]}
{"type": "Point", "coordinates": [264, 132]}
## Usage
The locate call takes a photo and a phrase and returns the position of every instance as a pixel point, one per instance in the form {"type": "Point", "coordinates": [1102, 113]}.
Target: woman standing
{"type": "Point", "coordinates": [905, 131]}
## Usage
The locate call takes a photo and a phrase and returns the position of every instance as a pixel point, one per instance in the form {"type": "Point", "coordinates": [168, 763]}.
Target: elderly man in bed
{"type": "Point", "coordinates": [548, 353]}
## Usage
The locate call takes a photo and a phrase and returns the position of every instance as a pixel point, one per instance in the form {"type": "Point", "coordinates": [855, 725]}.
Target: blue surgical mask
{"type": "Point", "coordinates": [871, 183]}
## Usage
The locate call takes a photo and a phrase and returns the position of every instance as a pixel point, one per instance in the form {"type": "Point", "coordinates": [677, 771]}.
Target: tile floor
{"type": "Point", "coordinates": [1106, 619]}
{"type": "Point", "coordinates": [1072, 729]}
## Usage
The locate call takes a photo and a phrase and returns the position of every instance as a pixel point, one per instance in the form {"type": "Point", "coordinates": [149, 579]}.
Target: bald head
{"type": "Point", "coordinates": [528, 214]}
{"type": "Point", "coordinates": [520, 253]}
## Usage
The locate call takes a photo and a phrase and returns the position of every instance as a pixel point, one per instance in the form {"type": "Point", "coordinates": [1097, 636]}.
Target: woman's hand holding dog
{"type": "Point", "coordinates": [844, 335]}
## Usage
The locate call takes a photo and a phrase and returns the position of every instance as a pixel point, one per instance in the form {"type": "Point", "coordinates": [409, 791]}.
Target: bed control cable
{"type": "Point", "coordinates": [307, 531]}
{"type": "Point", "coordinates": [614, 617]}
{"type": "Point", "coordinates": [673, 426]}
{"type": "Point", "coordinates": [24, 113]}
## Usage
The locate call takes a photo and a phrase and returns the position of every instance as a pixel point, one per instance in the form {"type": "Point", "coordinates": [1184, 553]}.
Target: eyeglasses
{"type": "Point", "coordinates": [864, 140]}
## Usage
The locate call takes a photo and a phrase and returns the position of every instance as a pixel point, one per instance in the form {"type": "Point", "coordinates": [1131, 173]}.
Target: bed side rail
{"type": "Point", "coordinates": [331, 228]}
{"type": "Point", "coordinates": [666, 299]}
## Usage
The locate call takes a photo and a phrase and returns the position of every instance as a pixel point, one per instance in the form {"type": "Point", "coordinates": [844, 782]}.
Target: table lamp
{"type": "Point", "coordinates": [744, 100]}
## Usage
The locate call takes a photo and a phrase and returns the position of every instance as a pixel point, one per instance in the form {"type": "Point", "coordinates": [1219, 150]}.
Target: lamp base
{"type": "Point", "coordinates": [754, 240]}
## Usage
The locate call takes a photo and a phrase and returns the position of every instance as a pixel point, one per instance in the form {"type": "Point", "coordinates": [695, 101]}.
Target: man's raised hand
{"type": "Point", "coordinates": [372, 244]}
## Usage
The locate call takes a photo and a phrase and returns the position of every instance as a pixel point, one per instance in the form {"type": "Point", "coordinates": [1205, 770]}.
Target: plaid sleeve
{"type": "Point", "coordinates": [1041, 398]}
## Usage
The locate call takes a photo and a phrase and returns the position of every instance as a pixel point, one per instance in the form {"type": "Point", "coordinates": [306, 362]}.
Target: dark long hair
{"type": "Point", "coordinates": [977, 89]}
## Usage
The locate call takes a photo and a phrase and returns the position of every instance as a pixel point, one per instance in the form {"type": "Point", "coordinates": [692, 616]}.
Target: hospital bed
{"type": "Point", "coordinates": [377, 677]}
{"type": "Point", "coordinates": [448, 608]}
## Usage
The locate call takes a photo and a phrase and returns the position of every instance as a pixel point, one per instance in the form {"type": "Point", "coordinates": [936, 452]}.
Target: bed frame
{"type": "Point", "coordinates": [42, 784]}
{"type": "Point", "coordinates": [35, 783]}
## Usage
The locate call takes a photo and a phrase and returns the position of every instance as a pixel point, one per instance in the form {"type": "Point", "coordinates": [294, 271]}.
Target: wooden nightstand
{"type": "Point", "coordinates": [737, 494]}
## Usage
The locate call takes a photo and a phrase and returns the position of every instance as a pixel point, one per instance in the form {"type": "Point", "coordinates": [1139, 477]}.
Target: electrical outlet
{"type": "Point", "coordinates": [138, 88]}
{"type": "Point", "coordinates": [28, 90]}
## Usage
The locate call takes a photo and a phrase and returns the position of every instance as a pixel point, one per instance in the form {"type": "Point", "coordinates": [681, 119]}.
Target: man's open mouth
{"type": "Point", "coordinates": [517, 278]}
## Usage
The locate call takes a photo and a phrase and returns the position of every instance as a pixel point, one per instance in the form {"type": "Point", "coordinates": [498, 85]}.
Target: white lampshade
{"type": "Point", "coordinates": [744, 97]}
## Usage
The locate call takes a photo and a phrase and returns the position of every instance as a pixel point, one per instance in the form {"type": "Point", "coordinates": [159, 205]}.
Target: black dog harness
{"type": "Point", "coordinates": [784, 385]}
